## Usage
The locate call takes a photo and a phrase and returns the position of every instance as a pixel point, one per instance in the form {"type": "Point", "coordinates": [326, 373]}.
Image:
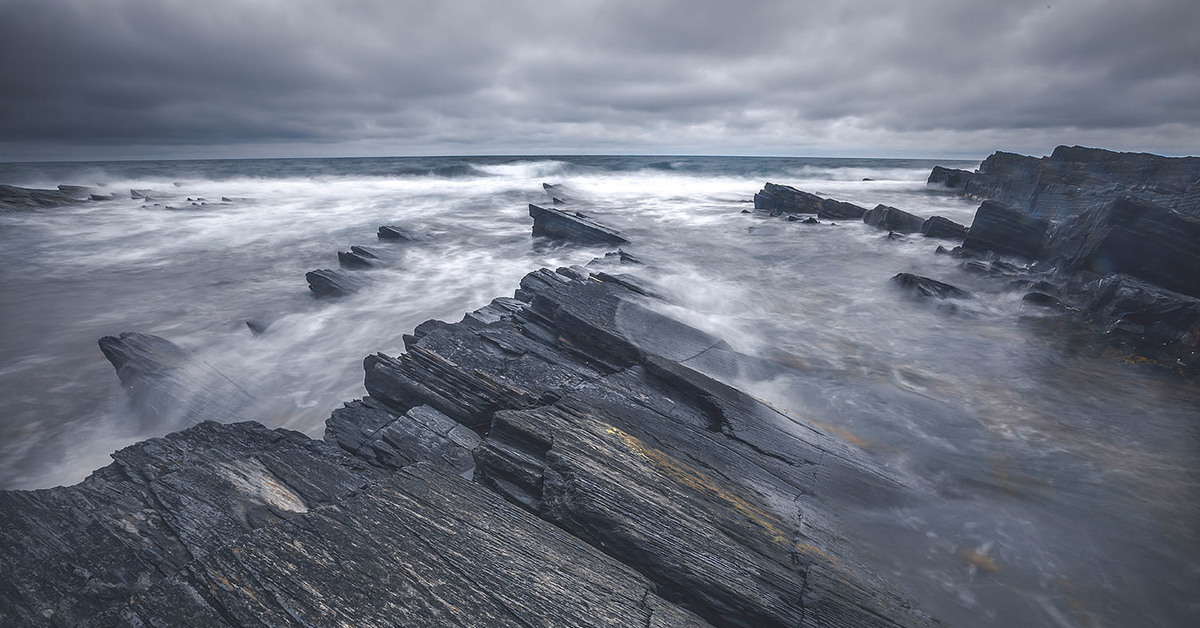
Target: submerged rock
{"type": "Point", "coordinates": [574, 226]}
{"type": "Point", "coordinates": [170, 387]}
{"type": "Point", "coordinates": [926, 287]}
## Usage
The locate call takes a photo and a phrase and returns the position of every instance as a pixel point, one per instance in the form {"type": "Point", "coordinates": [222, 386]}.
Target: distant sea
{"type": "Point", "coordinates": [1065, 482]}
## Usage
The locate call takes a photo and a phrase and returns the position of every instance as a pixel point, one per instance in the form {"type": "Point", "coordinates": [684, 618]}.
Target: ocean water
{"type": "Point", "coordinates": [1062, 480]}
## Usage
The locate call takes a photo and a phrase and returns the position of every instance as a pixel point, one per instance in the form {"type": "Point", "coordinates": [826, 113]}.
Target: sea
{"type": "Point", "coordinates": [1062, 477]}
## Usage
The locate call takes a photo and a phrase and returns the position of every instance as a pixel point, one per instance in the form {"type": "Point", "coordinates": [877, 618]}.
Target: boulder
{"type": "Point", "coordinates": [392, 232]}
{"type": "Point", "coordinates": [892, 219]}
{"type": "Point", "coordinates": [944, 228]}
{"type": "Point", "coordinates": [574, 226]}
{"type": "Point", "coordinates": [1005, 230]}
{"type": "Point", "coordinates": [1134, 237]}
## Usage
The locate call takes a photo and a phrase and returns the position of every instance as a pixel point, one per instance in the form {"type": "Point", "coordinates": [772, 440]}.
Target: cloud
{"type": "Point", "coordinates": [123, 78]}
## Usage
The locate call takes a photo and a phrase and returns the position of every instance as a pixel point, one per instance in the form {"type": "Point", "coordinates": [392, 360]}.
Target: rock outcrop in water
{"type": "Point", "coordinates": [1117, 233]}
{"type": "Point", "coordinates": [574, 226]}
{"type": "Point", "coordinates": [13, 198]}
{"type": "Point", "coordinates": [615, 483]}
{"type": "Point", "coordinates": [784, 199]}
{"type": "Point", "coordinates": [1074, 179]}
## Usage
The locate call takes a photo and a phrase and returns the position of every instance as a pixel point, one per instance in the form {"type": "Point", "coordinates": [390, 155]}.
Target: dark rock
{"type": "Point", "coordinates": [1005, 231]}
{"type": "Point", "coordinates": [1133, 237]}
{"type": "Point", "coordinates": [893, 219]}
{"type": "Point", "coordinates": [71, 552]}
{"type": "Point", "coordinates": [331, 283]}
{"type": "Point", "coordinates": [421, 548]}
{"type": "Point", "coordinates": [352, 259]}
{"type": "Point", "coordinates": [367, 429]}
{"type": "Point", "coordinates": [792, 218]}
{"type": "Point", "coordinates": [168, 386]}
{"type": "Point", "coordinates": [746, 211]}
{"type": "Point", "coordinates": [1153, 321]}
{"type": "Point", "coordinates": [391, 232]}
{"type": "Point", "coordinates": [926, 287]}
{"type": "Point", "coordinates": [938, 227]}
{"type": "Point", "coordinates": [573, 226]}
{"type": "Point", "coordinates": [257, 328]}
{"type": "Point", "coordinates": [1040, 299]}
{"type": "Point", "coordinates": [1074, 178]}
{"type": "Point", "coordinates": [786, 199]}
{"type": "Point", "coordinates": [14, 198]}
{"type": "Point", "coordinates": [811, 221]}
{"type": "Point", "coordinates": [102, 197]}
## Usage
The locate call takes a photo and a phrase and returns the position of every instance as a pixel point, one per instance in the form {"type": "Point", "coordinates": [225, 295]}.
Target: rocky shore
{"type": "Point", "coordinates": [569, 455]}
{"type": "Point", "coordinates": [1112, 240]}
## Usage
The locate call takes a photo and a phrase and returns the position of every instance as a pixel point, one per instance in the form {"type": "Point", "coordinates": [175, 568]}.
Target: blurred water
{"type": "Point", "coordinates": [1062, 483]}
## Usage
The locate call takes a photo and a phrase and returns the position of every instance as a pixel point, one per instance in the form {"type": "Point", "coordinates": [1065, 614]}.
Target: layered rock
{"type": "Point", "coordinates": [571, 225]}
{"type": "Point", "coordinates": [13, 198]}
{"type": "Point", "coordinates": [783, 199]}
{"type": "Point", "coordinates": [1006, 231]}
{"type": "Point", "coordinates": [944, 228]}
{"type": "Point", "coordinates": [1073, 179]}
{"type": "Point", "coordinates": [892, 219]}
{"type": "Point", "coordinates": [169, 386]}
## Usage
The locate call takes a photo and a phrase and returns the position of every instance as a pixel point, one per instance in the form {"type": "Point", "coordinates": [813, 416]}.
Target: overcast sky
{"type": "Point", "coordinates": [96, 79]}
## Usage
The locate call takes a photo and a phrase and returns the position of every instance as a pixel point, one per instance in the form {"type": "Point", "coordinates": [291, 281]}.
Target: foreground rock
{"type": "Point", "coordinates": [325, 282]}
{"type": "Point", "coordinates": [574, 226]}
{"type": "Point", "coordinates": [1006, 230]}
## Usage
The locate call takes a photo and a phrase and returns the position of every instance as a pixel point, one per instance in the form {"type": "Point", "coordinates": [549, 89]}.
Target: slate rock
{"type": "Point", "coordinates": [169, 386]}
{"type": "Point", "coordinates": [944, 228]}
{"type": "Point", "coordinates": [367, 429]}
{"type": "Point", "coordinates": [573, 226]}
{"type": "Point", "coordinates": [892, 219]}
{"type": "Point", "coordinates": [325, 282]}
{"type": "Point", "coordinates": [1133, 237]}
{"type": "Point", "coordinates": [392, 232]}
{"type": "Point", "coordinates": [780, 199]}
{"type": "Point", "coordinates": [926, 287]}
{"type": "Point", "coordinates": [70, 553]}
{"type": "Point", "coordinates": [1005, 230]}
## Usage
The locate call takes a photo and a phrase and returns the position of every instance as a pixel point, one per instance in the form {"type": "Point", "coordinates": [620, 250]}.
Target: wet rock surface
{"type": "Point", "coordinates": [1074, 179]}
{"type": "Point", "coordinates": [783, 199]}
{"type": "Point", "coordinates": [893, 219]}
{"type": "Point", "coordinates": [615, 483]}
{"type": "Point", "coordinates": [574, 226]}
{"type": "Point", "coordinates": [13, 198]}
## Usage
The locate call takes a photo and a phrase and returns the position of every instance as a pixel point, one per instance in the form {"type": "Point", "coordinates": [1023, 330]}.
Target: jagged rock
{"type": "Point", "coordinates": [1133, 237]}
{"type": "Point", "coordinates": [594, 423]}
{"type": "Point", "coordinates": [1155, 322]}
{"type": "Point", "coordinates": [70, 553]}
{"type": "Point", "coordinates": [786, 199]}
{"type": "Point", "coordinates": [1073, 179]}
{"type": "Point", "coordinates": [367, 429]}
{"type": "Point", "coordinates": [168, 385]}
{"type": "Point", "coordinates": [1006, 231]}
{"type": "Point", "coordinates": [16, 198]}
{"type": "Point", "coordinates": [893, 219]}
{"type": "Point", "coordinates": [257, 328]}
{"type": "Point", "coordinates": [392, 232]}
{"type": "Point", "coordinates": [331, 283]}
{"type": "Point", "coordinates": [352, 259]}
{"type": "Point", "coordinates": [422, 548]}
{"type": "Point", "coordinates": [939, 227]}
{"type": "Point", "coordinates": [927, 287]}
{"type": "Point", "coordinates": [574, 226]}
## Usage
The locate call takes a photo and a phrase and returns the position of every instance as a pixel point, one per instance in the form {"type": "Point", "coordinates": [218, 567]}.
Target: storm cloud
{"type": "Point", "coordinates": [130, 78]}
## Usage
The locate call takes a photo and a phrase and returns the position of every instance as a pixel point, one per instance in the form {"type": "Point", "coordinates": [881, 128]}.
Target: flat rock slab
{"type": "Point", "coordinates": [421, 548]}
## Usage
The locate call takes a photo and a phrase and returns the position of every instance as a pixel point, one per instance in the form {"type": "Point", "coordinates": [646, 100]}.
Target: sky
{"type": "Point", "coordinates": [127, 79]}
